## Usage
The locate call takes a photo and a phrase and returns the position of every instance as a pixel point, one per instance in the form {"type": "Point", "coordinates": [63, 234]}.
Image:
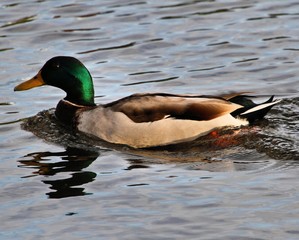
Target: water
{"type": "Point", "coordinates": [59, 185]}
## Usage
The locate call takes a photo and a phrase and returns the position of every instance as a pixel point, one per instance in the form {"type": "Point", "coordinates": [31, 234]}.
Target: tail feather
{"type": "Point", "coordinates": [252, 111]}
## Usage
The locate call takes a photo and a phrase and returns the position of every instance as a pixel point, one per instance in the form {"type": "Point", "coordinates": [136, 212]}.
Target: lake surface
{"type": "Point", "coordinates": [55, 184]}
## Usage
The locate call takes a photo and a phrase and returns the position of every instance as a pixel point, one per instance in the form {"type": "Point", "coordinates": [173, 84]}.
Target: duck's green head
{"type": "Point", "coordinates": [68, 74]}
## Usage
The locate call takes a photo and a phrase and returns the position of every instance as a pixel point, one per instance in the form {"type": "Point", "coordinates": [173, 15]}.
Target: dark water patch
{"type": "Point", "coordinates": [95, 14]}
{"type": "Point", "coordinates": [19, 21]}
{"type": "Point", "coordinates": [291, 49]}
{"type": "Point", "coordinates": [201, 13]}
{"type": "Point", "coordinates": [109, 48]}
{"type": "Point", "coordinates": [11, 122]}
{"type": "Point", "coordinates": [275, 38]}
{"type": "Point", "coordinates": [217, 11]}
{"type": "Point", "coordinates": [6, 103]}
{"type": "Point", "coordinates": [246, 60]}
{"type": "Point", "coordinates": [183, 4]}
{"type": "Point", "coordinates": [127, 4]}
{"type": "Point", "coordinates": [69, 5]}
{"type": "Point", "coordinates": [141, 164]}
{"type": "Point", "coordinates": [142, 73]}
{"type": "Point", "coordinates": [5, 49]}
{"type": "Point", "coordinates": [10, 5]}
{"type": "Point", "coordinates": [151, 81]}
{"type": "Point", "coordinates": [199, 30]}
{"type": "Point", "coordinates": [137, 185]}
{"type": "Point", "coordinates": [206, 69]}
{"type": "Point", "coordinates": [80, 29]}
{"type": "Point", "coordinates": [172, 17]}
{"type": "Point", "coordinates": [154, 40]}
{"type": "Point", "coordinates": [272, 15]}
{"type": "Point", "coordinates": [218, 43]}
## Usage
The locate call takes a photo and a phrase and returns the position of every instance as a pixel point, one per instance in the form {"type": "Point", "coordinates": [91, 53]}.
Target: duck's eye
{"type": "Point", "coordinates": [55, 65]}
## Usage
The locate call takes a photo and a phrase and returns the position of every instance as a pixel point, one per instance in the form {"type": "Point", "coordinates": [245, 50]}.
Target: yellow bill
{"type": "Point", "coordinates": [31, 83]}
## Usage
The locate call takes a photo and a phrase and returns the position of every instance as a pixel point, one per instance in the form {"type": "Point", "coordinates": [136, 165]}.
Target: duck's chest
{"type": "Point", "coordinates": [66, 112]}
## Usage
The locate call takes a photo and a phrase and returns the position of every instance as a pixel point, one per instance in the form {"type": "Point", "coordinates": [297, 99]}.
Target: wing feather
{"type": "Point", "coordinates": [153, 107]}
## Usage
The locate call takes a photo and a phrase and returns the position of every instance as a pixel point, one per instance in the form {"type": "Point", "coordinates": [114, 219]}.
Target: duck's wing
{"type": "Point", "coordinates": [231, 95]}
{"type": "Point", "coordinates": [153, 107]}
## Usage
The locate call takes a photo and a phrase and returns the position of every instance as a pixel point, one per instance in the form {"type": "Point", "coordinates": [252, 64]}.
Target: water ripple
{"type": "Point", "coordinates": [19, 21]}
{"type": "Point", "coordinates": [151, 81]}
{"type": "Point", "coordinates": [108, 48]}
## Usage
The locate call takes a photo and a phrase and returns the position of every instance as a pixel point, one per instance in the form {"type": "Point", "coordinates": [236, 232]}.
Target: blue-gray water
{"type": "Point", "coordinates": [55, 184]}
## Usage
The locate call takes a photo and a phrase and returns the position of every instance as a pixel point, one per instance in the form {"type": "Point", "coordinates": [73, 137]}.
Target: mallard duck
{"type": "Point", "coordinates": [141, 120]}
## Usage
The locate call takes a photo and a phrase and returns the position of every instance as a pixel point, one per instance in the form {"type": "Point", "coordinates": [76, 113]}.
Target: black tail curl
{"type": "Point", "coordinates": [252, 111]}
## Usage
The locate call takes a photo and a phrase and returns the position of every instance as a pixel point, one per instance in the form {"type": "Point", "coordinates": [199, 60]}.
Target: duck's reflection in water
{"type": "Point", "coordinates": [71, 160]}
{"type": "Point", "coordinates": [225, 155]}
